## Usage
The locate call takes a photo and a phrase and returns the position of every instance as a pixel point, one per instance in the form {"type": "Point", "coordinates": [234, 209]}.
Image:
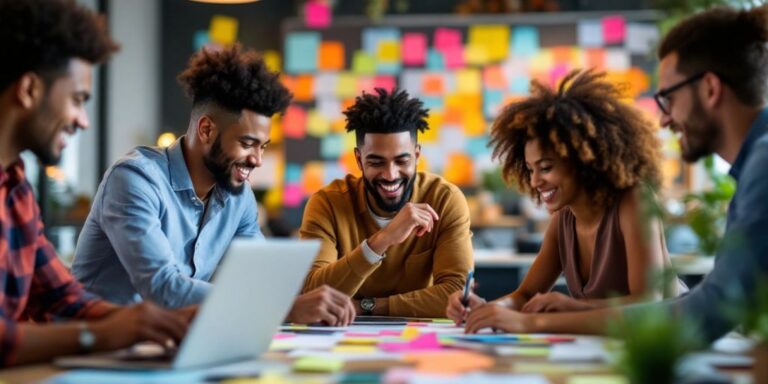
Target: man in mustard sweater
{"type": "Point", "coordinates": [396, 240]}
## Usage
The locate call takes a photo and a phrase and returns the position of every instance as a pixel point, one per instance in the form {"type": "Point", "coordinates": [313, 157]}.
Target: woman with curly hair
{"type": "Point", "coordinates": [588, 157]}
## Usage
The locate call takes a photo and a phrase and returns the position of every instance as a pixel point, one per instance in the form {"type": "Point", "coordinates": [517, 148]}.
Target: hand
{"type": "Point", "coordinates": [416, 219]}
{"type": "Point", "coordinates": [142, 322]}
{"type": "Point", "coordinates": [553, 302]}
{"type": "Point", "coordinates": [498, 317]}
{"type": "Point", "coordinates": [456, 310]}
{"type": "Point", "coordinates": [323, 304]}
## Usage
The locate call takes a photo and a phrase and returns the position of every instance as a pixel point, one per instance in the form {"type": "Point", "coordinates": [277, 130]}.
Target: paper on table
{"type": "Point", "coordinates": [597, 379]}
{"type": "Point", "coordinates": [578, 352]}
{"type": "Point", "coordinates": [223, 29]}
{"type": "Point", "coordinates": [478, 378]}
{"type": "Point", "coordinates": [304, 342]}
{"type": "Point", "coordinates": [301, 51]}
{"type": "Point", "coordinates": [508, 350]}
{"type": "Point", "coordinates": [318, 364]}
{"type": "Point", "coordinates": [449, 362]}
{"type": "Point", "coordinates": [424, 342]}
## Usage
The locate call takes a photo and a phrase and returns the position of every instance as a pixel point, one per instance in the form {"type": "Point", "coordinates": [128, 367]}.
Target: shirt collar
{"type": "Point", "coordinates": [177, 167]}
{"type": "Point", "coordinates": [13, 174]}
{"type": "Point", "coordinates": [758, 129]}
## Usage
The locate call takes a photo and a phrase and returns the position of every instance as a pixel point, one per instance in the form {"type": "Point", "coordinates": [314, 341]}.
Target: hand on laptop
{"type": "Point", "coordinates": [322, 304]}
{"type": "Point", "coordinates": [142, 322]}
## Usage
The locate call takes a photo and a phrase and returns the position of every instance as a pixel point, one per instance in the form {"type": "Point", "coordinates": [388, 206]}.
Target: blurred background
{"type": "Point", "coordinates": [465, 59]}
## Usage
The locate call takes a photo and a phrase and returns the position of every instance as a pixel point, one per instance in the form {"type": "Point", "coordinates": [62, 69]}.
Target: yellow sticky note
{"type": "Point", "coordinates": [317, 364]}
{"type": "Point", "coordinates": [354, 349]}
{"type": "Point", "coordinates": [597, 379]}
{"type": "Point", "coordinates": [493, 38]}
{"type": "Point", "coordinates": [363, 63]}
{"type": "Point", "coordinates": [276, 130]}
{"type": "Point", "coordinates": [346, 85]}
{"type": "Point", "coordinates": [223, 29]}
{"type": "Point", "coordinates": [434, 121]}
{"type": "Point", "coordinates": [274, 197]}
{"type": "Point", "coordinates": [474, 124]}
{"type": "Point", "coordinates": [468, 81]}
{"type": "Point", "coordinates": [273, 60]}
{"type": "Point", "coordinates": [410, 333]}
{"type": "Point", "coordinates": [359, 341]}
{"type": "Point", "coordinates": [350, 141]}
{"type": "Point", "coordinates": [476, 55]}
{"type": "Point", "coordinates": [542, 61]}
{"type": "Point", "coordinates": [389, 51]}
{"type": "Point", "coordinates": [317, 124]}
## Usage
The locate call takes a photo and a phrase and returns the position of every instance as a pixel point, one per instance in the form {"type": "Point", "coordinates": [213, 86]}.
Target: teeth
{"type": "Point", "coordinates": [546, 195]}
{"type": "Point", "coordinates": [390, 188]}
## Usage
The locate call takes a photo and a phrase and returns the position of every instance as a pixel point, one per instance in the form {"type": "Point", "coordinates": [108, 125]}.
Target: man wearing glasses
{"type": "Point", "coordinates": [713, 79]}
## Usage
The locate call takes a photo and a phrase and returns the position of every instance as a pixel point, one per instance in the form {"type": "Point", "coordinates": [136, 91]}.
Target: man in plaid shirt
{"type": "Point", "coordinates": [43, 89]}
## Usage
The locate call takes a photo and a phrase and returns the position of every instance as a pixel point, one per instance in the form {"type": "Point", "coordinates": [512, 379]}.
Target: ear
{"type": "Point", "coordinates": [417, 152]}
{"type": "Point", "coordinates": [30, 89]}
{"type": "Point", "coordinates": [712, 89]}
{"type": "Point", "coordinates": [206, 129]}
{"type": "Point", "coordinates": [359, 159]}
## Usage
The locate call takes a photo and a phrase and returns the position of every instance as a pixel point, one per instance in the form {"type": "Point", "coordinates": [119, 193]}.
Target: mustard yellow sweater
{"type": "Point", "coordinates": [417, 275]}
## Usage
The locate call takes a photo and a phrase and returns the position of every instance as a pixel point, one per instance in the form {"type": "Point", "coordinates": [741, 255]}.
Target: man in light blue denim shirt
{"type": "Point", "coordinates": [162, 218]}
{"type": "Point", "coordinates": [713, 80]}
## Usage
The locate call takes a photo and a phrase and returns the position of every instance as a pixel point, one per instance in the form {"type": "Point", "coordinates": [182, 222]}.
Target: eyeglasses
{"type": "Point", "coordinates": [662, 96]}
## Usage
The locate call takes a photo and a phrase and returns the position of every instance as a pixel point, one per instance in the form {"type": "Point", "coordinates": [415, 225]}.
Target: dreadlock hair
{"type": "Point", "coordinates": [234, 79]}
{"type": "Point", "coordinates": [386, 113]}
{"type": "Point", "coordinates": [42, 36]}
{"type": "Point", "coordinates": [611, 145]}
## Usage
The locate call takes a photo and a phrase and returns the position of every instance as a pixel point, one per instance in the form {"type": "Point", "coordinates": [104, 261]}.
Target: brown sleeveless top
{"type": "Point", "coordinates": [608, 272]}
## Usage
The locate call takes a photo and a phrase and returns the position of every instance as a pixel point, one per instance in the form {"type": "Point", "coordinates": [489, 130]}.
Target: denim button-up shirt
{"type": "Point", "coordinates": [146, 238]}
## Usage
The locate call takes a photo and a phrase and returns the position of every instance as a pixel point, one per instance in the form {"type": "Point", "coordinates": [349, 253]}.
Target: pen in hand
{"type": "Point", "coordinates": [467, 285]}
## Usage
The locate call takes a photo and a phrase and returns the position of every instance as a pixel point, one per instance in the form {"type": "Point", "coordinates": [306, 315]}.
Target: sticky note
{"type": "Point", "coordinates": [333, 171]}
{"type": "Point", "coordinates": [301, 49]}
{"type": "Point", "coordinates": [423, 342]}
{"type": "Point", "coordinates": [449, 362]}
{"type": "Point", "coordinates": [294, 122]}
{"type": "Point", "coordinates": [434, 121]}
{"type": "Point", "coordinates": [329, 107]}
{"type": "Point", "coordinates": [223, 29]}
{"type": "Point", "coordinates": [317, 14]}
{"type": "Point", "coordinates": [386, 82]}
{"type": "Point", "coordinates": [354, 349]}
{"type": "Point", "coordinates": [276, 131]}
{"type": "Point", "coordinates": [348, 163]}
{"type": "Point", "coordinates": [325, 84]}
{"type": "Point", "coordinates": [365, 84]}
{"type": "Point", "coordinates": [200, 40]}
{"type": "Point", "coordinates": [432, 84]}
{"type": "Point", "coordinates": [435, 60]}
{"type": "Point", "coordinates": [474, 123]}
{"type": "Point", "coordinates": [272, 60]}
{"type": "Point", "coordinates": [317, 364]}
{"type": "Point", "coordinates": [331, 56]}
{"type": "Point", "coordinates": [414, 49]}
{"type": "Point", "coordinates": [492, 102]}
{"type": "Point", "coordinates": [346, 85]}
{"type": "Point", "coordinates": [292, 173]}
{"type": "Point", "coordinates": [409, 333]}
{"type": "Point", "coordinates": [597, 379]}
{"type": "Point", "coordinates": [493, 77]}
{"type": "Point", "coordinates": [614, 29]}
{"type": "Point", "coordinates": [477, 146]}
{"type": "Point", "coordinates": [453, 57]}
{"type": "Point", "coordinates": [303, 88]}
{"type": "Point", "coordinates": [312, 178]}
{"type": "Point", "coordinates": [292, 197]}
{"type": "Point", "coordinates": [411, 81]}
{"type": "Point", "coordinates": [350, 141]}
{"type": "Point", "coordinates": [331, 146]}
{"type": "Point", "coordinates": [590, 33]}
{"type": "Point", "coordinates": [317, 124]}
{"type": "Point", "coordinates": [557, 73]}
{"type": "Point", "coordinates": [372, 37]}
{"type": "Point", "coordinates": [468, 81]}
{"type": "Point", "coordinates": [493, 38]}
{"type": "Point", "coordinates": [525, 41]}
{"type": "Point", "coordinates": [388, 67]}
{"type": "Point", "coordinates": [641, 38]}
{"type": "Point", "coordinates": [595, 58]}
{"type": "Point", "coordinates": [476, 55]}
{"type": "Point", "coordinates": [617, 59]}
{"type": "Point", "coordinates": [388, 51]}
{"type": "Point", "coordinates": [458, 169]}
{"type": "Point", "coordinates": [446, 38]}
{"type": "Point", "coordinates": [563, 55]}
{"type": "Point", "coordinates": [515, 350]}
{"type": "Point", "coordinates": [638, 82]}
{"type": "Point", "coordinates": [363, 63]}
{"type": "Point", "coordinates": [433, 103]}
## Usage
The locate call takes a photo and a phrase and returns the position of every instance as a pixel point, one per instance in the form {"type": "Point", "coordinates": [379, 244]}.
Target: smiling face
{"type": "Point", "coordinates": [59, 113]}
{"type": "Point", "coordinates": [697, 132]}
{"type": "Point", "coordinates": [237, 150]}
{"type": "Point", "coordinates": [388, 162]}
{"type": "Point", "coordinates": [551, 177]}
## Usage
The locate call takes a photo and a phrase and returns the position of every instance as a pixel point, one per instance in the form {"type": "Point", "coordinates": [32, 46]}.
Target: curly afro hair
{"type": "Point", "coordinates": [234, 79]}
{"type": "Point", "coordinates": [386, 113]}
{"type": "Point", "coordinates": [611, 145]}
{"type": "Point", "coordinates": [42, 36]}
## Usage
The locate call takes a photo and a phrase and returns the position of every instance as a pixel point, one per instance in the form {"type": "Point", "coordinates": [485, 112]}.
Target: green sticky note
{"type": "Point", "coordinates": [597, 379]}
{"type": "Point", "coordinates": [317, 364]}
{"type": "Point", "coordinates": [442, 321]}
{"type": "Point", "coordinates": [363, 63]}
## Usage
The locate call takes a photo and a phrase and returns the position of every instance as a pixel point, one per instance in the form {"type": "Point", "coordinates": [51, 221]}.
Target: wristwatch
{"type": "Point", "coordinates": [86, 339]}
{"type": "Point", "coordinates": [367, 304]}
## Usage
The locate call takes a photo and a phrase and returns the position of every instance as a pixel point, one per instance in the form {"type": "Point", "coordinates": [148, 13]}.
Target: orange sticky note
{"type": "Point", "coordinates": [458, 169]}
{"type": "Point", "coordinates": [276, 130]}
{"type": "Point", "coordinates": [348, 163]}
{"type": "Point", "coordinates": [638, 82]}
{"type": "Point", "coordinates": [449, 362]}
{"type": "Point", "coordinates": [304, 88]}
{"type": "Point", "coordinates": [453, 115]}
{"type": "Point", "coordinates": [595, 58]}
{"type": "Point", "coordinates": [432, 84]}
{"type": "Point", "coordinates": [331, 56]}
{"type": "Point", "coordinates": [295, 122]}
{"type": "Point", "coordinates": [493, 77]}
{"type": "Point", "coordinates": [313, 177]}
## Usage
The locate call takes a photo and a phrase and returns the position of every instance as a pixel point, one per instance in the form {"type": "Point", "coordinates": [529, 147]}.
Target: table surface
{"type": "Point", "coordinates": [287, 345]}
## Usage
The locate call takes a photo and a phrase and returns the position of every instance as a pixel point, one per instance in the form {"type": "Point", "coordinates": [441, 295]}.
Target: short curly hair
{"type": "Point", "coordinates": [386, 113]}
{"type": "Point", "coordinates": [42, 36]}
{"type": "Point", "coordinates": [610, 144]}
{"type": "Point", "coordinates": [234, 79]}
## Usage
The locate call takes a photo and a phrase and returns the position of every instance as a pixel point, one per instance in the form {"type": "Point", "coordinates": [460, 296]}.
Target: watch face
{"type": "Point", "coordinates": [367, 304]}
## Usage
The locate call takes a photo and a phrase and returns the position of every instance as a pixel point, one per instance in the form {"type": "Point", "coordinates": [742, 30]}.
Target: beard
{"type": "Point", "coordinates": [383, 204]}
{"type": "Point", "coordinates": [221, 167]}
{"type": "Point", "coordinates": [701, 134]}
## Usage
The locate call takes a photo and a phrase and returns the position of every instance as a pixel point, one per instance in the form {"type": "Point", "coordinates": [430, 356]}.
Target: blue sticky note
{"type": "Point", "coordinates": [301, 50]}
{"type": "Point", "coordinates": [525, 41]}
{"type": "Point", "coordinates": [492, 99]}
{"type": "Point", "coordinates": [590, 33]}
{"type": "Point", "coordinates": [519, 85]}
{"type": "Point", "coordinates": [333, 171]}
{"type": "Point", "coordinates": [489, 339]}
{"type": "Point", "coordinates": [200, 39]}
{"type": "Point", "coordinates": [373, 36]}
{"type": "Point", "coordinates": [392, 68]}
{"type": "Point", "coordinates": [433, 103]}
{"type": "Point", "coordinates": [478, 146]}
{"type": "Point", "coordinates": [331, 146]}
{"type": "Point", "coordinates": [435, 61]}
{"type": "Point", "coordinates": [293, 173]}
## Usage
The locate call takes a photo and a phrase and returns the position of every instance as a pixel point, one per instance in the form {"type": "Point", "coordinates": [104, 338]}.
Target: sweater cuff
{"type": "Point", "coordinates": [359, 263]}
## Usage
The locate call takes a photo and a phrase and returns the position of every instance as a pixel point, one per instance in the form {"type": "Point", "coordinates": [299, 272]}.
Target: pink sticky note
{"type": "Point", "coordinates": [386, 82]}
{"type": "Point", "coordinates": [295, 122]}
{"type": "Point", "coordinates": [557, 73]}
{"type": "Point", "coordinates": [361, 334]}
{"type": "Point", "coordinates": [414, 49]}
{"type": "Point", "coordinates": [614, 29]}
{"type": "Point", "coordinates": [280, 336]}
{"type": "Point", "coordinates": [425, 342]}
{"type": "Point", "coordinates": [390, 333]}
{"type": "Point", "coordinates": [453, 57]}
{"type": "Point", "coordinates": [317, 14]}
{"type": "Point", "coordinates": [365, 84]}
{"type": "Point", "coordinates": [292, 195]}
{"type": "Point", "coordinates": [447, 38]}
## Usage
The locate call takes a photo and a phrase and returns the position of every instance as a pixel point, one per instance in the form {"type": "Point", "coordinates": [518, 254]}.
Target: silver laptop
{"type": "Point", "coordinates": [253, 290]}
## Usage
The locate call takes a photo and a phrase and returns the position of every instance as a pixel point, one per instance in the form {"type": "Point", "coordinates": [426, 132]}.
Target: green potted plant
{"type": "Point", "coordinates": [707, 213]}
{"type": "Point", "coordinates": [753, 318]}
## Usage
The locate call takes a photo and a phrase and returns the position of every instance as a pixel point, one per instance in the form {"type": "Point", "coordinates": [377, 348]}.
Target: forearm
{"type": "Point", "coordinates": [44, 342]}
{"type": "Point", "coordinates": [515, 300]}
{"type": "Point", "coordinates": [614, 301]}
{"type": "Point", "coordinates": [346, 274]}
{"type": "Point", "coordinates": [594, 322]}
{"type": "Point", "coordinates": [426, 302]}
